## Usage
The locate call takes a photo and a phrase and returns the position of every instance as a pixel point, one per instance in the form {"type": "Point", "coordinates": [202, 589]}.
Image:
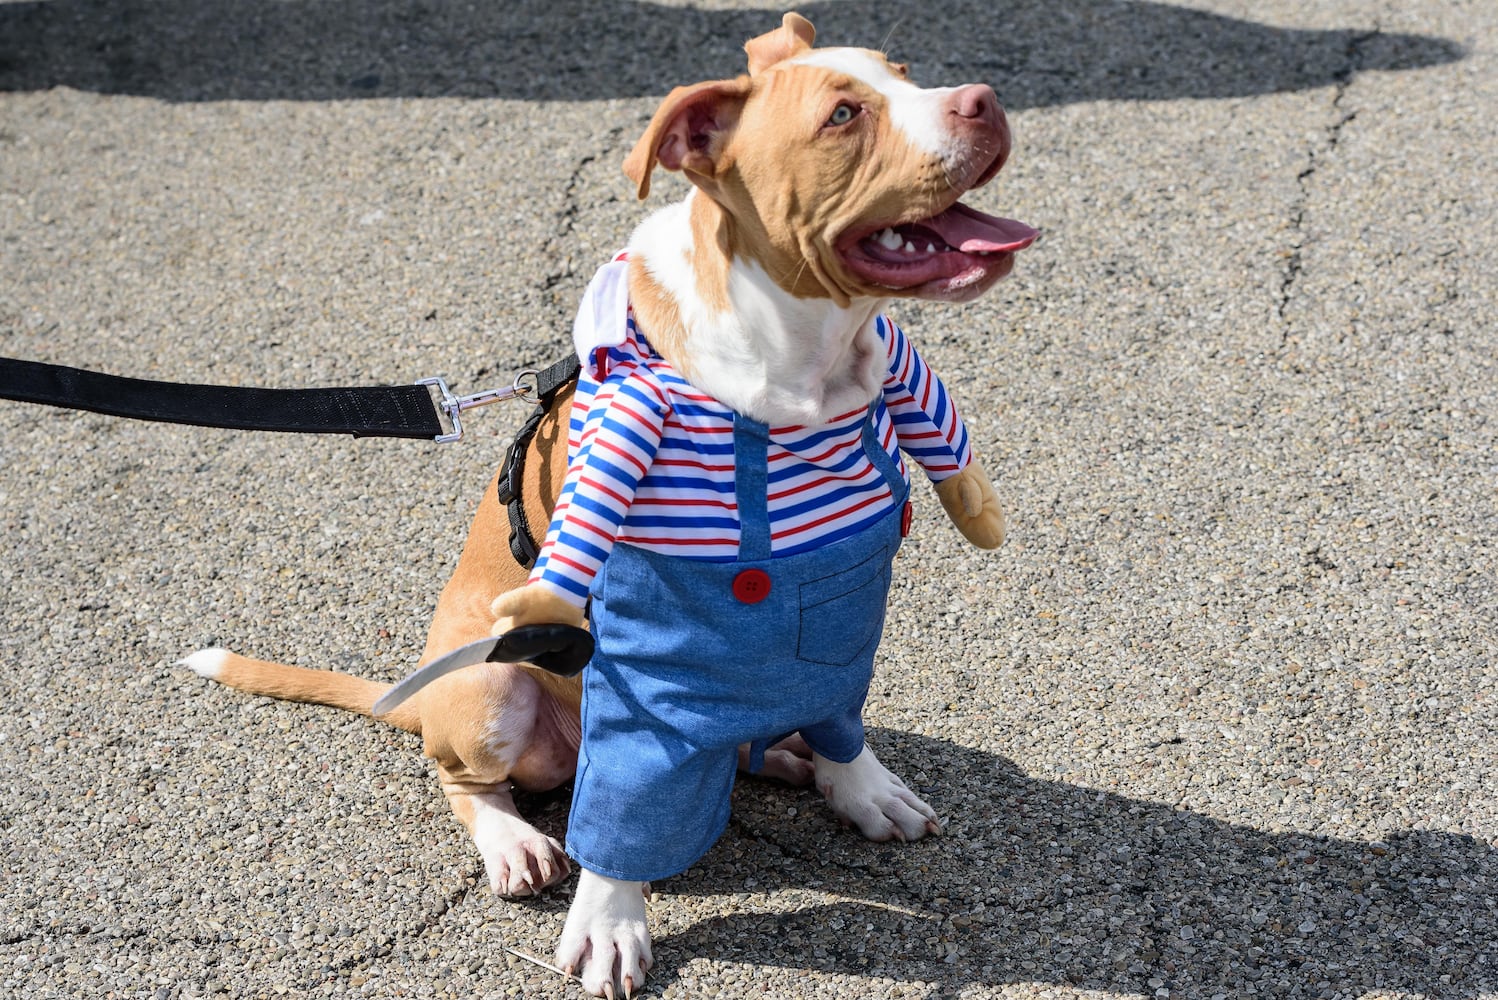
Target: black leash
{"type": "Point", "coordinates": [400, 411]}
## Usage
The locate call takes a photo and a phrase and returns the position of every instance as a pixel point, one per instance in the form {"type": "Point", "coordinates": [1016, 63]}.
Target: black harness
{"type": "Point", "coordinates": [523, 545]}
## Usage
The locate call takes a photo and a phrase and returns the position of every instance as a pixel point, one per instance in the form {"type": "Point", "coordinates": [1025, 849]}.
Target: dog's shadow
{"type": "Point", "coordinates": [1040, 881]}
{"type": "Point", "coordinates": [1036, 52]}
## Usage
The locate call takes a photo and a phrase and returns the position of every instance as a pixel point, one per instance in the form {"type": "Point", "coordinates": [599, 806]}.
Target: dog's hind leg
{"type": "Point", "coordinates": [501, 730]}
{"type": "Point", "coordinates": [788, 761]}
{"type": "Point", "coordinates": [519, 859]}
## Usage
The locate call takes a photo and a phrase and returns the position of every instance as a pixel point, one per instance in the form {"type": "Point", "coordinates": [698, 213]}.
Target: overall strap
{"type": "Point", "coordinates": [751, 470]}
{"type": "Point", "coordinates": [883, 460]}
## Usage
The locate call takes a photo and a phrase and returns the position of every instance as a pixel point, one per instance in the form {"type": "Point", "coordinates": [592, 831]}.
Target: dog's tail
{"type": "Point", "coordinates": [279, 680]}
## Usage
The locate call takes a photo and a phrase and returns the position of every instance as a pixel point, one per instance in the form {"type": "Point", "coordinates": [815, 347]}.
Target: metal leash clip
{"type": "Point", "coordinates": [523, 386]}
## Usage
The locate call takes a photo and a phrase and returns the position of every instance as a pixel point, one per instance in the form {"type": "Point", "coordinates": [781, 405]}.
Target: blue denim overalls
{"type": "Point", "coordinates": [695, 658]}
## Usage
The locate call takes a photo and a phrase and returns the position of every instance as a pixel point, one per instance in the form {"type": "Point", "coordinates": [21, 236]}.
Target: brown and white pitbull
{"type": "Point", "coordinates": [825, 184]}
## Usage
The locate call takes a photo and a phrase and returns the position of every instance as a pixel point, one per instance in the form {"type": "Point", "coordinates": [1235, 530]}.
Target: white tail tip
{"type": "Point", "coordinates": [206, 662]}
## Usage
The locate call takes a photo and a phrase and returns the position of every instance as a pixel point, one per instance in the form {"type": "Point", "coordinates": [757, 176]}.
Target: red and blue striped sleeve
{"type": "Point", "coordinates": [616, 447]}
{"type": "Point", "coordinates": [925, 418]}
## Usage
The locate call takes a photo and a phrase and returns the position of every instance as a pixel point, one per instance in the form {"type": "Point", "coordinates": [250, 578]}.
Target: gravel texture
{"type": "Point", "coordinates": [1216, 723]}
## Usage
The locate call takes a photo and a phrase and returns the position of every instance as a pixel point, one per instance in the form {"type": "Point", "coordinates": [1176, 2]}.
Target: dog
{"type": "Point", "coordinates": [725, 483]}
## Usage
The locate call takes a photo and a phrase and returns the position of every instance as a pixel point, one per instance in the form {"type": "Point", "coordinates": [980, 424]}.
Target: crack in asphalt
{"type": "Point", "coordinates": [385, 946]}
{"type": "Point", "coordinates": [572, 205]}
{"type": "Point", "coordinates": [1332, 138]}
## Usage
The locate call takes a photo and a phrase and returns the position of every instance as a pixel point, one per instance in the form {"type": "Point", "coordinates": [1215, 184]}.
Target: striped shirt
{"type": "Point", "coordinates": [650, 464]}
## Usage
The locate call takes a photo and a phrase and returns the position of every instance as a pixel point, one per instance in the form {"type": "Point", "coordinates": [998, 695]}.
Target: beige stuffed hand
{"type": "Point", "coordinates": [533, 604]}
{"type": "Point", "coordinates": [971, 503]}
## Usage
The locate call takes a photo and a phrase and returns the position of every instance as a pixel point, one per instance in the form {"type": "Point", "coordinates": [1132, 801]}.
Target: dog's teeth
{"type": "Point", "coordinates": [909, 247]}
{"type": "Point", "coordinates": [931, 248]}
{"type": "Point", "coordinates": [889, 239]}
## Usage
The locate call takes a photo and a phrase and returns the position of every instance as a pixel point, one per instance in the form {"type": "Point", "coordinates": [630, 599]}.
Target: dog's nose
{"type": "Point", "coordinates": [979, 116]}
{"type": "Point", "coordinates": [978, 101]}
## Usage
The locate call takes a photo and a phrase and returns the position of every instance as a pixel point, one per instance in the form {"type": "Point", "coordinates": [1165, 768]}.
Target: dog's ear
{"type": "Point", "coordinates": [794, 36]}
{"type": "Point", "coordinates": [685, 132]}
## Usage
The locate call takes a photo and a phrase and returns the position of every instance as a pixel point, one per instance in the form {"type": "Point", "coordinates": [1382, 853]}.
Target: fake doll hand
{"type": "Point", "coordinates": [536, 627]}
{"type": "Point", "coordinates": [533, 604]}
{"type": "Point", "coordinates": [971, 503]}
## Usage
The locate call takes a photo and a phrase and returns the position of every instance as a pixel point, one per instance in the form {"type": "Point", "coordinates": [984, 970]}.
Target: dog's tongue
{"type": "Point", "coordinates": [972, 231]}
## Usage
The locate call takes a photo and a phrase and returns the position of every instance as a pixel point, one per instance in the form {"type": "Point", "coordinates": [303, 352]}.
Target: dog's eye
{"type": "Point", "coordinates": [842, 114]}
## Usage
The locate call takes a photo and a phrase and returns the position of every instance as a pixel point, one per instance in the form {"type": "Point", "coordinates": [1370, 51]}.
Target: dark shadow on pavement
{"type": "Point", "coordinates": [1040, 881]}
{"type": "Point", "coordinates": [1035, 52]}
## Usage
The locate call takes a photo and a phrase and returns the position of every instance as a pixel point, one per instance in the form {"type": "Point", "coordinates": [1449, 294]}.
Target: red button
{"type": "Point", "coordinates": [751, 586]}
{"type": "Point", "coordinates": [906, 516]}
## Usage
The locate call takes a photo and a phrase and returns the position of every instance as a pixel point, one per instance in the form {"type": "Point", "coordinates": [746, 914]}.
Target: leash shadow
{"type": "Point", "coordinates": [1035, 52]}
{"type": "Point", "coordinates": [1041, 881]}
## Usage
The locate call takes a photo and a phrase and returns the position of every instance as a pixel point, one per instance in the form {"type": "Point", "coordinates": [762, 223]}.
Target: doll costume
{"type": "Point", "coordinates": [738, 575]}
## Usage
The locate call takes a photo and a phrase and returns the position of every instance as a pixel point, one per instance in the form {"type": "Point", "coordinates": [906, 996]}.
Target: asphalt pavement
{"type": "Point", "coordinates": [1217, 721]}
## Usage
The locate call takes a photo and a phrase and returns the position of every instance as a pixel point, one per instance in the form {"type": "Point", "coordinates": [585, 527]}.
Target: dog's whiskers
{"type": "Point", "coordinates": [800, 270]}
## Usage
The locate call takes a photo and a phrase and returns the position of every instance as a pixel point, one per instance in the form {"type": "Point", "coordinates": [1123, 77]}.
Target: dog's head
{"type": "Point", "coordinates": [839, 176]}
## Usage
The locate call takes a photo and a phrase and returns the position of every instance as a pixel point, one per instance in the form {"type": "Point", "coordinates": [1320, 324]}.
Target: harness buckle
{"type": "Point", "coordinates": [453, 406]}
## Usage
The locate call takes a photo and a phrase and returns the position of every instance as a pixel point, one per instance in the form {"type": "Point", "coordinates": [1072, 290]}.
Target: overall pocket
{"type": "Point", "coordinates": [842, 614]}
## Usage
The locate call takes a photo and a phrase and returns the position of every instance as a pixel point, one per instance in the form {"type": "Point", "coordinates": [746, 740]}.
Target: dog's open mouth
{"type": "Point", "coordinates": [954, 254]}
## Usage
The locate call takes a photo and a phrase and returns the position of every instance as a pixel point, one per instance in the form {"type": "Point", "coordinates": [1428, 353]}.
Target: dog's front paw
{"type": "Point", "coordinates": [863, 793]}
{"type": "Point", "coordinates": [605, 942]}
{"type": "Point", "coordinates": [971, 503]}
